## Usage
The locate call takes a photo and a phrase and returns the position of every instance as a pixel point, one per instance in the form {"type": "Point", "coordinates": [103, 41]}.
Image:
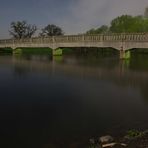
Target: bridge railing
{"type": "Point", "coordinates": [81, 38]}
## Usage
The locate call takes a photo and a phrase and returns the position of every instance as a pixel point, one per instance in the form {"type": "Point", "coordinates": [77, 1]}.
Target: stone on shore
{"type": "Point", "coordinates": [106, 139]}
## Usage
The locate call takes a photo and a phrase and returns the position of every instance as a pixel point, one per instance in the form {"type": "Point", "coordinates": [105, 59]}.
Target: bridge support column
{"type": "Point", "coordinates": [13, 47]}
{"type": "Point", "coordinates": [57, 52]}
{"type": "Point", "coordinates": [122, 53]}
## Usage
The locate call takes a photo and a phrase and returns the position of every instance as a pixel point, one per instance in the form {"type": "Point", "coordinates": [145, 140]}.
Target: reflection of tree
{"type": "Point", "coordinates": [138, 60]}
{"type": "Point", "coordinates": [123, 73]}
{"type": "Point", "coordinates": [133, 73]}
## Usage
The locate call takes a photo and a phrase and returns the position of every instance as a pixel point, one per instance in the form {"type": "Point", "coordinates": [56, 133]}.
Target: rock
{"type": "Point", "coordinates": [108, 145]}
{"type": "Point", "coordinates": [106, 139]}
{"type": "Point", "coordinates": [117, 145]}
{"type": "Point", "coordinates": [123, 144]}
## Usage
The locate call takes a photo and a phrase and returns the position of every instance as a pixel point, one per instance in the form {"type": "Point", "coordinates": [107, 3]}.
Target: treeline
{"type": "Point", "coordinates": [124, 24]}
{"type": "Point", "coordinates": [121, 24]}
{"type": "Point", "coordinates": [21, 29]}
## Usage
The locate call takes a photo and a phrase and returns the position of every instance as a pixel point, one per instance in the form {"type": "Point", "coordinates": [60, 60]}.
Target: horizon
{"type": "Point", "coordinates": [73, 16]}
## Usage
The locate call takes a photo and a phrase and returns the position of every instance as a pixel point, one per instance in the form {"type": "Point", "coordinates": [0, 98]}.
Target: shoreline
{"type": "Point", "coordinates": [133, 139]}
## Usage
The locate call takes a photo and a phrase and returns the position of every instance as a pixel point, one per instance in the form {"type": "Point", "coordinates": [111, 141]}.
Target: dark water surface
{"type": "Point", "coordinates": [61, 103]}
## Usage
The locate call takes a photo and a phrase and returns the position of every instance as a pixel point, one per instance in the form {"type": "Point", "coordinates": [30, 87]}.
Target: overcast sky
{"type": "Point", "coordinates": [74, 16]}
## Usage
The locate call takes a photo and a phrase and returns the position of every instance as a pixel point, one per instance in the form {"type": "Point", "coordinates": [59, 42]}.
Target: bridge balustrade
{"type": "Point", "coordinates": [80, 38]}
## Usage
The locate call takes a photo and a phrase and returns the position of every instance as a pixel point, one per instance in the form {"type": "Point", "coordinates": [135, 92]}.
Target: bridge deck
{"type": "Point", "coordinates": [127, 41]}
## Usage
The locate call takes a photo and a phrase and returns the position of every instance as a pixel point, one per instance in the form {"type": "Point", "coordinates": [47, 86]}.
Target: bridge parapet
{"type": "Point", "coordinates": [117, 41]}
{"type": "Point", "coordinates": [81, 38]}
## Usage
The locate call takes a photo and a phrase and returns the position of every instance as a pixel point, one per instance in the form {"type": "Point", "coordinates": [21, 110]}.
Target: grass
{"type": "Point", "coordinates": [131, 134]}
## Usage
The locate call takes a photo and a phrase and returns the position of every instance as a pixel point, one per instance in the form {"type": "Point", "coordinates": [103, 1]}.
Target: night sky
{"type": "Point", "coordinates": [74, 16]}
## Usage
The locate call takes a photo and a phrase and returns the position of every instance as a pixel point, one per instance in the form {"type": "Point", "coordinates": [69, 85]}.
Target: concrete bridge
{"type": "Point", "coordinates": [121, 42]}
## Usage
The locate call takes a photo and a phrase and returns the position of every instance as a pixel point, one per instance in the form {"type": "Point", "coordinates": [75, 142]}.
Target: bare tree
{"type": "Point", "coordinates": [21, 29]}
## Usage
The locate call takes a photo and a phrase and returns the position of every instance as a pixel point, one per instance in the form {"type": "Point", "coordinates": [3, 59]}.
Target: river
{"type": "Point", "coordinates": [64, 101]}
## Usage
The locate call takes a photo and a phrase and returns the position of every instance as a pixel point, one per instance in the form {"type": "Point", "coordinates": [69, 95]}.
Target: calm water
{"type": "Point", "coordinates": [61, 103]}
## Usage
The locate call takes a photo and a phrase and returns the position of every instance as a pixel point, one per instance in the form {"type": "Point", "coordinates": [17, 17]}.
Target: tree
{"type": "Point", "coordinates": [139, 24]}
{"type": "Point", "coordinates": [51, 30]}
{"type": "Point", "coordinates": [30, 30]}
{"type": "Point", "coordinates": [21, 29]}
{"type": "Point", "coordinates": [103, 29]}
{"type": "Point", "coordinates": [127, 24]}
{"type": "Point", "coordinates": [122, 24]}
{"type": "Point", "coordinates": [91, 31]}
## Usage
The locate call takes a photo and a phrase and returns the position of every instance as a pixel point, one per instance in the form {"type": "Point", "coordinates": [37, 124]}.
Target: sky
{"type": "Point", "coordinates": [73, 16]}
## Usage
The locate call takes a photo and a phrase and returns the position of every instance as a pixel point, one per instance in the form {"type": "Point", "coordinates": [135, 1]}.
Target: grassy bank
{"type": "Point", "coordinates": [6, 50]}
{"type": "Point", "coordinates": [33, 51]}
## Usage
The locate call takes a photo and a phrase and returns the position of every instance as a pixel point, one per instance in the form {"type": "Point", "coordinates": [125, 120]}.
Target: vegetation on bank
{"type": "Point", "coordinates": [39, 51]}
{"type": "Point", "coordinates": [98, 52]}
{"type": "Point", "coordinates": [124, 24]}
{"type": "Point", "coordinates": [6, 51]}
{"type": "Point", "coordinates": [132, 139]}
{"type": "Point", "coordinates": [56, 52]}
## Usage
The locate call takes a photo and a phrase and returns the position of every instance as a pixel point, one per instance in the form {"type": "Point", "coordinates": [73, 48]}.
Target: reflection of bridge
{"type": "Point", "coordinates": [117, 41]}
{"type": "Point", "coordinates": [119, 74]}
{"type": "Point", "coordinates": [74, 67]}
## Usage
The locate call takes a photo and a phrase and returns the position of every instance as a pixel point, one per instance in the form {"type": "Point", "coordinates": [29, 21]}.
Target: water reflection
{"type": "Point", "coordinates": [62, 102]}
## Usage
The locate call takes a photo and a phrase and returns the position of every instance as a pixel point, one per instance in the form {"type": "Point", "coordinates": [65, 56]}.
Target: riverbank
{"type": "Point", "coordinates": [133, 139]}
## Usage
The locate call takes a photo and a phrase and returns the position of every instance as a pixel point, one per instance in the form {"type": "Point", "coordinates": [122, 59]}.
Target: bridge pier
{"type": "Point", "coordinates": [13, 46]}
{"type": "Point", "coordinates": [57, 52]}
{"type": "Point", "coordinates": [124, 54]}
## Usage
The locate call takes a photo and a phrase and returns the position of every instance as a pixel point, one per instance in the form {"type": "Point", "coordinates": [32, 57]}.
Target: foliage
{"type": "Point", "coordinates": [103, 29]}
{"type": "Point", "coordinates": [33, 51]}
{"type": "Point", "coordinates": [134, 133]}
{"type": "Point", "coordinates": [127, 23]}
{"type": "Point", "coordinates": [124, 24]}
{"type": "Point", "coordinates": [91, 31]}
{"type": "Point", "coordinates": [68, 50]}
{"type": "Point", "coordinates": [51, 30]}
{"type": "Point", "coordinates": [6, 50]}
{"type": "Point", "coordinates": [21, 29]}
{"type": "Point", "coordinates": [17, 51]}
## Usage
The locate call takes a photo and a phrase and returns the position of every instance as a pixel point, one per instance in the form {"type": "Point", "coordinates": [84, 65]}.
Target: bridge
{"type": "Point", "coordinates": [121, 42]}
